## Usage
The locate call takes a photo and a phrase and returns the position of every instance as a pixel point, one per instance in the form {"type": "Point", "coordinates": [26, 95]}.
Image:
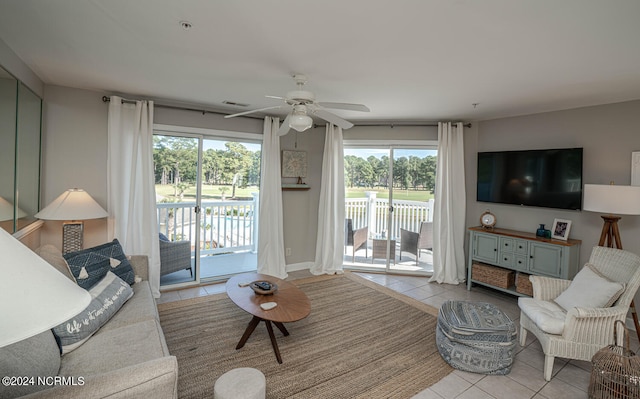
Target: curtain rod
{"type": "Point", "coordinates": [204, 111]}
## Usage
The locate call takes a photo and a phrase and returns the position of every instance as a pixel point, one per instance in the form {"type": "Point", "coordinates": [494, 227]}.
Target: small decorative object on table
{"type": "Point", "coordinates": [541, 232]}
{"type": "Point", "coordinates": [560, 229]}
{"type": "Point", "coordinates": [488, 220]}
{"type": "Point", "coordinates": [616, 370]}
{"type": "Point", "coordinates": [263, 287]}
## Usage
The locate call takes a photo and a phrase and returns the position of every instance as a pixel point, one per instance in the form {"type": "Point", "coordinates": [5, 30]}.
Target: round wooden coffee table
{"type": "Point", "coordinates": [293, 305]}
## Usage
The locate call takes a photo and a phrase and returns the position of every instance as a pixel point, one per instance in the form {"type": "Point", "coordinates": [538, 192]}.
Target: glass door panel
{"type": "Point", "coordinates": [414, 172]}
{"type": "Point", "coordinates": [229, 190]}
{"type": "Point", "coordinates": [177, 203]}
{"type": "Point", "coordinates": [366, 208]}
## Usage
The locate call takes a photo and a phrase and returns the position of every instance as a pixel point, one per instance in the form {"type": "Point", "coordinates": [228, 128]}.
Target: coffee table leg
{"type": "Point", "coordinates": [274, 343]}
{"type": "Point", "coordinates": [247, 333]}
{"type": "Point", "coordinates": [281, 328]}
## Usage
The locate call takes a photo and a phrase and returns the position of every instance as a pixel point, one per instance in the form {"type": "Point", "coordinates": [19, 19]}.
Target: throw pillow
{"type": "Point", "coordinates": [590, 290]}
{"type": "Point", "coordinates": [88, 268]}
{"type": "Point", "coordinates": [108, 296]}
{"type": "Point", "coordinates": [54, 257]}
{"type": "Point", "coordinates": [118, 262]}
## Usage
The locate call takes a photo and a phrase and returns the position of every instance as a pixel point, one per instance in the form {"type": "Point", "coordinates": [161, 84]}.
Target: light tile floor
{"type": "Point", "coordinates": [525, 381]}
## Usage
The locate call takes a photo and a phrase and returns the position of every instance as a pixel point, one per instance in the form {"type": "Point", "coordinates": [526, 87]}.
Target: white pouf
{"type": "Point", "coordinates": [241, 383]}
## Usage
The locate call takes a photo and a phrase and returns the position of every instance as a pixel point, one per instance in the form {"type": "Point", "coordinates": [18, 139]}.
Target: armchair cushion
{"type": "Point", "coordinates": [590, 289]}
{"type": "Point", "coordinates": [548, 316]}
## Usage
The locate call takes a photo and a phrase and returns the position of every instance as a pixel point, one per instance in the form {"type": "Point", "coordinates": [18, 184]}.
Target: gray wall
{"type": "Point", "coordinates": [607, 133]}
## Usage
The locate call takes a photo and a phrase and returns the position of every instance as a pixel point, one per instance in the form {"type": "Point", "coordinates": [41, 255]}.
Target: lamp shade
{"type": "Point", "coordinates": [612, 199]}
{"type": "Point", "coordinates": [34, 296]}
{"type": "Point", "coordinates": [73, 204]}
{"type": "Point", "coordinates": [6, 211]}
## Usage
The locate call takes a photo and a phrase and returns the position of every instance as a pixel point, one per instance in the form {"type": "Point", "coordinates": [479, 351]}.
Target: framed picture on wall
{"type": "Point", "coordinates": [294, 163]}
{"type": "Point", "coordinates": [560, 229]}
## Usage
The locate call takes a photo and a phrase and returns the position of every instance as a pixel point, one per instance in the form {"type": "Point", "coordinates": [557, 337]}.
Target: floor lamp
{"type": "Point", "coordinates": [613, 200]}
{"type": "Point", "coordinates": [73, 206]}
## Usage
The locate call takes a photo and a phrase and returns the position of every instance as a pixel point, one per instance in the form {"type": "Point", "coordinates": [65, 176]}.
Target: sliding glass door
{"type": "Point", "coordinates": [389, 193]}
{"type": "Point", "coordinates": [207, 202]}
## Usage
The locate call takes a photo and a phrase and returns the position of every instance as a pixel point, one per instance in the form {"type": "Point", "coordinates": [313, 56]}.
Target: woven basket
{"type": "Point", "coordinates": [616, 371]}
{"type": "Point", "coordinates": [496, 276]}
{"type": "Point", "coordinates": [523, 284]}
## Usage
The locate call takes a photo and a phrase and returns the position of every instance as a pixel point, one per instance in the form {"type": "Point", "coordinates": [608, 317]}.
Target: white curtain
{"type": "Point", "coordinates": [270, 233]}
{"type": "Point", "coordinates": [450, 207]}
{"type": "Point", "coordinates": [130, 183]}
{"type": "Point", "coordinates": [330, 241]}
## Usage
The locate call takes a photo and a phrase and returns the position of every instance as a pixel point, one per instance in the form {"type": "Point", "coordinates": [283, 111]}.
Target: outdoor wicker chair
{"type": "Point", "coordinates": [355, 238]}
{"type": "Point", "coordinates": [415, 242]}
{"type": "Point", "coordinates": [174, 256]}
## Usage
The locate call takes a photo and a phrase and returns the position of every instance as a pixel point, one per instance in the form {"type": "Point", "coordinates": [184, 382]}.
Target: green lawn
{"type": "Point", "coordinates": [211, 192]}
{"type": "Point", "coordinates": [408, 195]}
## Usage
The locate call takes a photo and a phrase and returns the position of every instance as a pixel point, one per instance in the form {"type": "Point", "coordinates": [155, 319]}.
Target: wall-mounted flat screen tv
{"type": "Point", "coordinates": [545, 178]}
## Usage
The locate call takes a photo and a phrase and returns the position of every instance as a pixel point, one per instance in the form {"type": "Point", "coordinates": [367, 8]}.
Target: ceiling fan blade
{"type": "Point", "coordinates": [252, 111]}
{"type": "Point", "coordinates": [336, 120]}
{"type": "Point", "coordinates": [347, 106]}
{"type": "Point", "coordinates": [277, 97]}
{"type": "Point", "coordinates": [284, 128]}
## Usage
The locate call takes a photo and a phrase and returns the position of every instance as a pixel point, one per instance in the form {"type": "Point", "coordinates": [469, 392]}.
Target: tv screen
{"type": "Point", "coordinates": [544, 178]}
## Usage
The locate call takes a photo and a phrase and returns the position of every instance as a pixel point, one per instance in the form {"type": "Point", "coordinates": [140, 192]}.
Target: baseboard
{"type": "Point", "coordinates": [298, 266]}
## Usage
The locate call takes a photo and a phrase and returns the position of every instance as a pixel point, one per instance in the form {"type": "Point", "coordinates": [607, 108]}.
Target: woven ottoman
{"type": "Point", "coordinates": [476, 337]}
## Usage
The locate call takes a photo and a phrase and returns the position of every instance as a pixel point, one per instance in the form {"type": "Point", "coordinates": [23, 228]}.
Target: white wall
{"type": "Point", "coordinates": [607, 133]}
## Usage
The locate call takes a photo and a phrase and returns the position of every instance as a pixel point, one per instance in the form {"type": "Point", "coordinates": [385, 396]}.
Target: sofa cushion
{"type": "Point", "coordinates": [115, 349]}
{"type": "Point", "coordinates": [142, 306]}
{"type": "Point", "coordinates": [88, 268]}
{"type": "Point", "coordinates": [548, 316]}
{"type": "Point", "coordinates": [117, 261]}
{"type": "Point", "coordinates": [54, 257]}
{"type": "Point", "coordinates": [590, 289]}
{"type": "Point", "coordinates": [38, 356]}
{"type": "Point", "coordinates": [108, 296]}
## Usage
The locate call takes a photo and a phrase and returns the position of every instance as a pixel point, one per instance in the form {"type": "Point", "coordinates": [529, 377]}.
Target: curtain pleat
{"type": "Point", "coordinates": [130, 183]}
{"type": "Point", "coordinates": [330, 241]}
{"type": "Point", "coordinates": [450, 207]}
{"type": "Point", "coordinates": [271, 258]}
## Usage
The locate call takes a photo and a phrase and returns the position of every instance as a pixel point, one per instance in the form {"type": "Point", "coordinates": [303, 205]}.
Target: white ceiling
{"type": "Point", "coordinates": [408, 60]}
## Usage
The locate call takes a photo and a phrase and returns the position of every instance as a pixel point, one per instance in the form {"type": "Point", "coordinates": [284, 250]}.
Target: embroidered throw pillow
{"type": "Point", "coordinates": [108, 296]}
{"type": "Point", "coordinates": [112, 251]}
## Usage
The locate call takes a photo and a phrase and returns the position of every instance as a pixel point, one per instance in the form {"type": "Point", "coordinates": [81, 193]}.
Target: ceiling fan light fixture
{"type": "Point", "coordinates": [300, 122]}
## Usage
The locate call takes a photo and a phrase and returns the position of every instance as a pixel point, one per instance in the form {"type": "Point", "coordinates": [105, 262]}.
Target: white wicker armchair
{"type": "Point", "coordinates": [586, 330]}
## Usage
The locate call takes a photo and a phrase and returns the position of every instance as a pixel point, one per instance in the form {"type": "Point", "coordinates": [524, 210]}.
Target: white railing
{"type": "Point", "coordinates": [225, 226]}
{"type": "Point", "coordinates": [373, 212]}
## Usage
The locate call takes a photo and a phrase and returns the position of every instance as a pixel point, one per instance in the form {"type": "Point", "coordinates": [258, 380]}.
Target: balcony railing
{"type": "Point", "coordinates": [373, 212]}
{"type": "Point", "coordinates": [228, 226]}
{"type": "Point", "coordinates": [225, 226]}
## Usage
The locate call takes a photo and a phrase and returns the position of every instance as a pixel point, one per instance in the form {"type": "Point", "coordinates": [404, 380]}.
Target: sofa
{"type": "Point", "coordinates": [126, 358]}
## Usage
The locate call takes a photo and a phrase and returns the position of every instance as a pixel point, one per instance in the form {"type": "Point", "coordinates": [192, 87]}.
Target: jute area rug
{"type": "Point", "coordinates": [361, 340]}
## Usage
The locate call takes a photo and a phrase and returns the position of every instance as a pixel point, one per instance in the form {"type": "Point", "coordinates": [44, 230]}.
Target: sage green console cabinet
{"type": "Point", "coordinates": [522, 252]}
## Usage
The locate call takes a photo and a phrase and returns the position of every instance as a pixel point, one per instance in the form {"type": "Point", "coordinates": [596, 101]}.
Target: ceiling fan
{"type": "Point", "coordinates": [301, 103]}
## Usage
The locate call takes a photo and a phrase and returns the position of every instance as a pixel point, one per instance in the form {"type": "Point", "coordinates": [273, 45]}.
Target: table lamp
{"type": "Point", "coordinates": [73, 206]}
{"type": "Point", "coordinates": [34, 296]}
{"type": "Point", "coordinates": [613, 200]}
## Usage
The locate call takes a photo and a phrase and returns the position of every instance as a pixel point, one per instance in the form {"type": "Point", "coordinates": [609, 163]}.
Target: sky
{"type": "Point", "coordinates": [379, 152]}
